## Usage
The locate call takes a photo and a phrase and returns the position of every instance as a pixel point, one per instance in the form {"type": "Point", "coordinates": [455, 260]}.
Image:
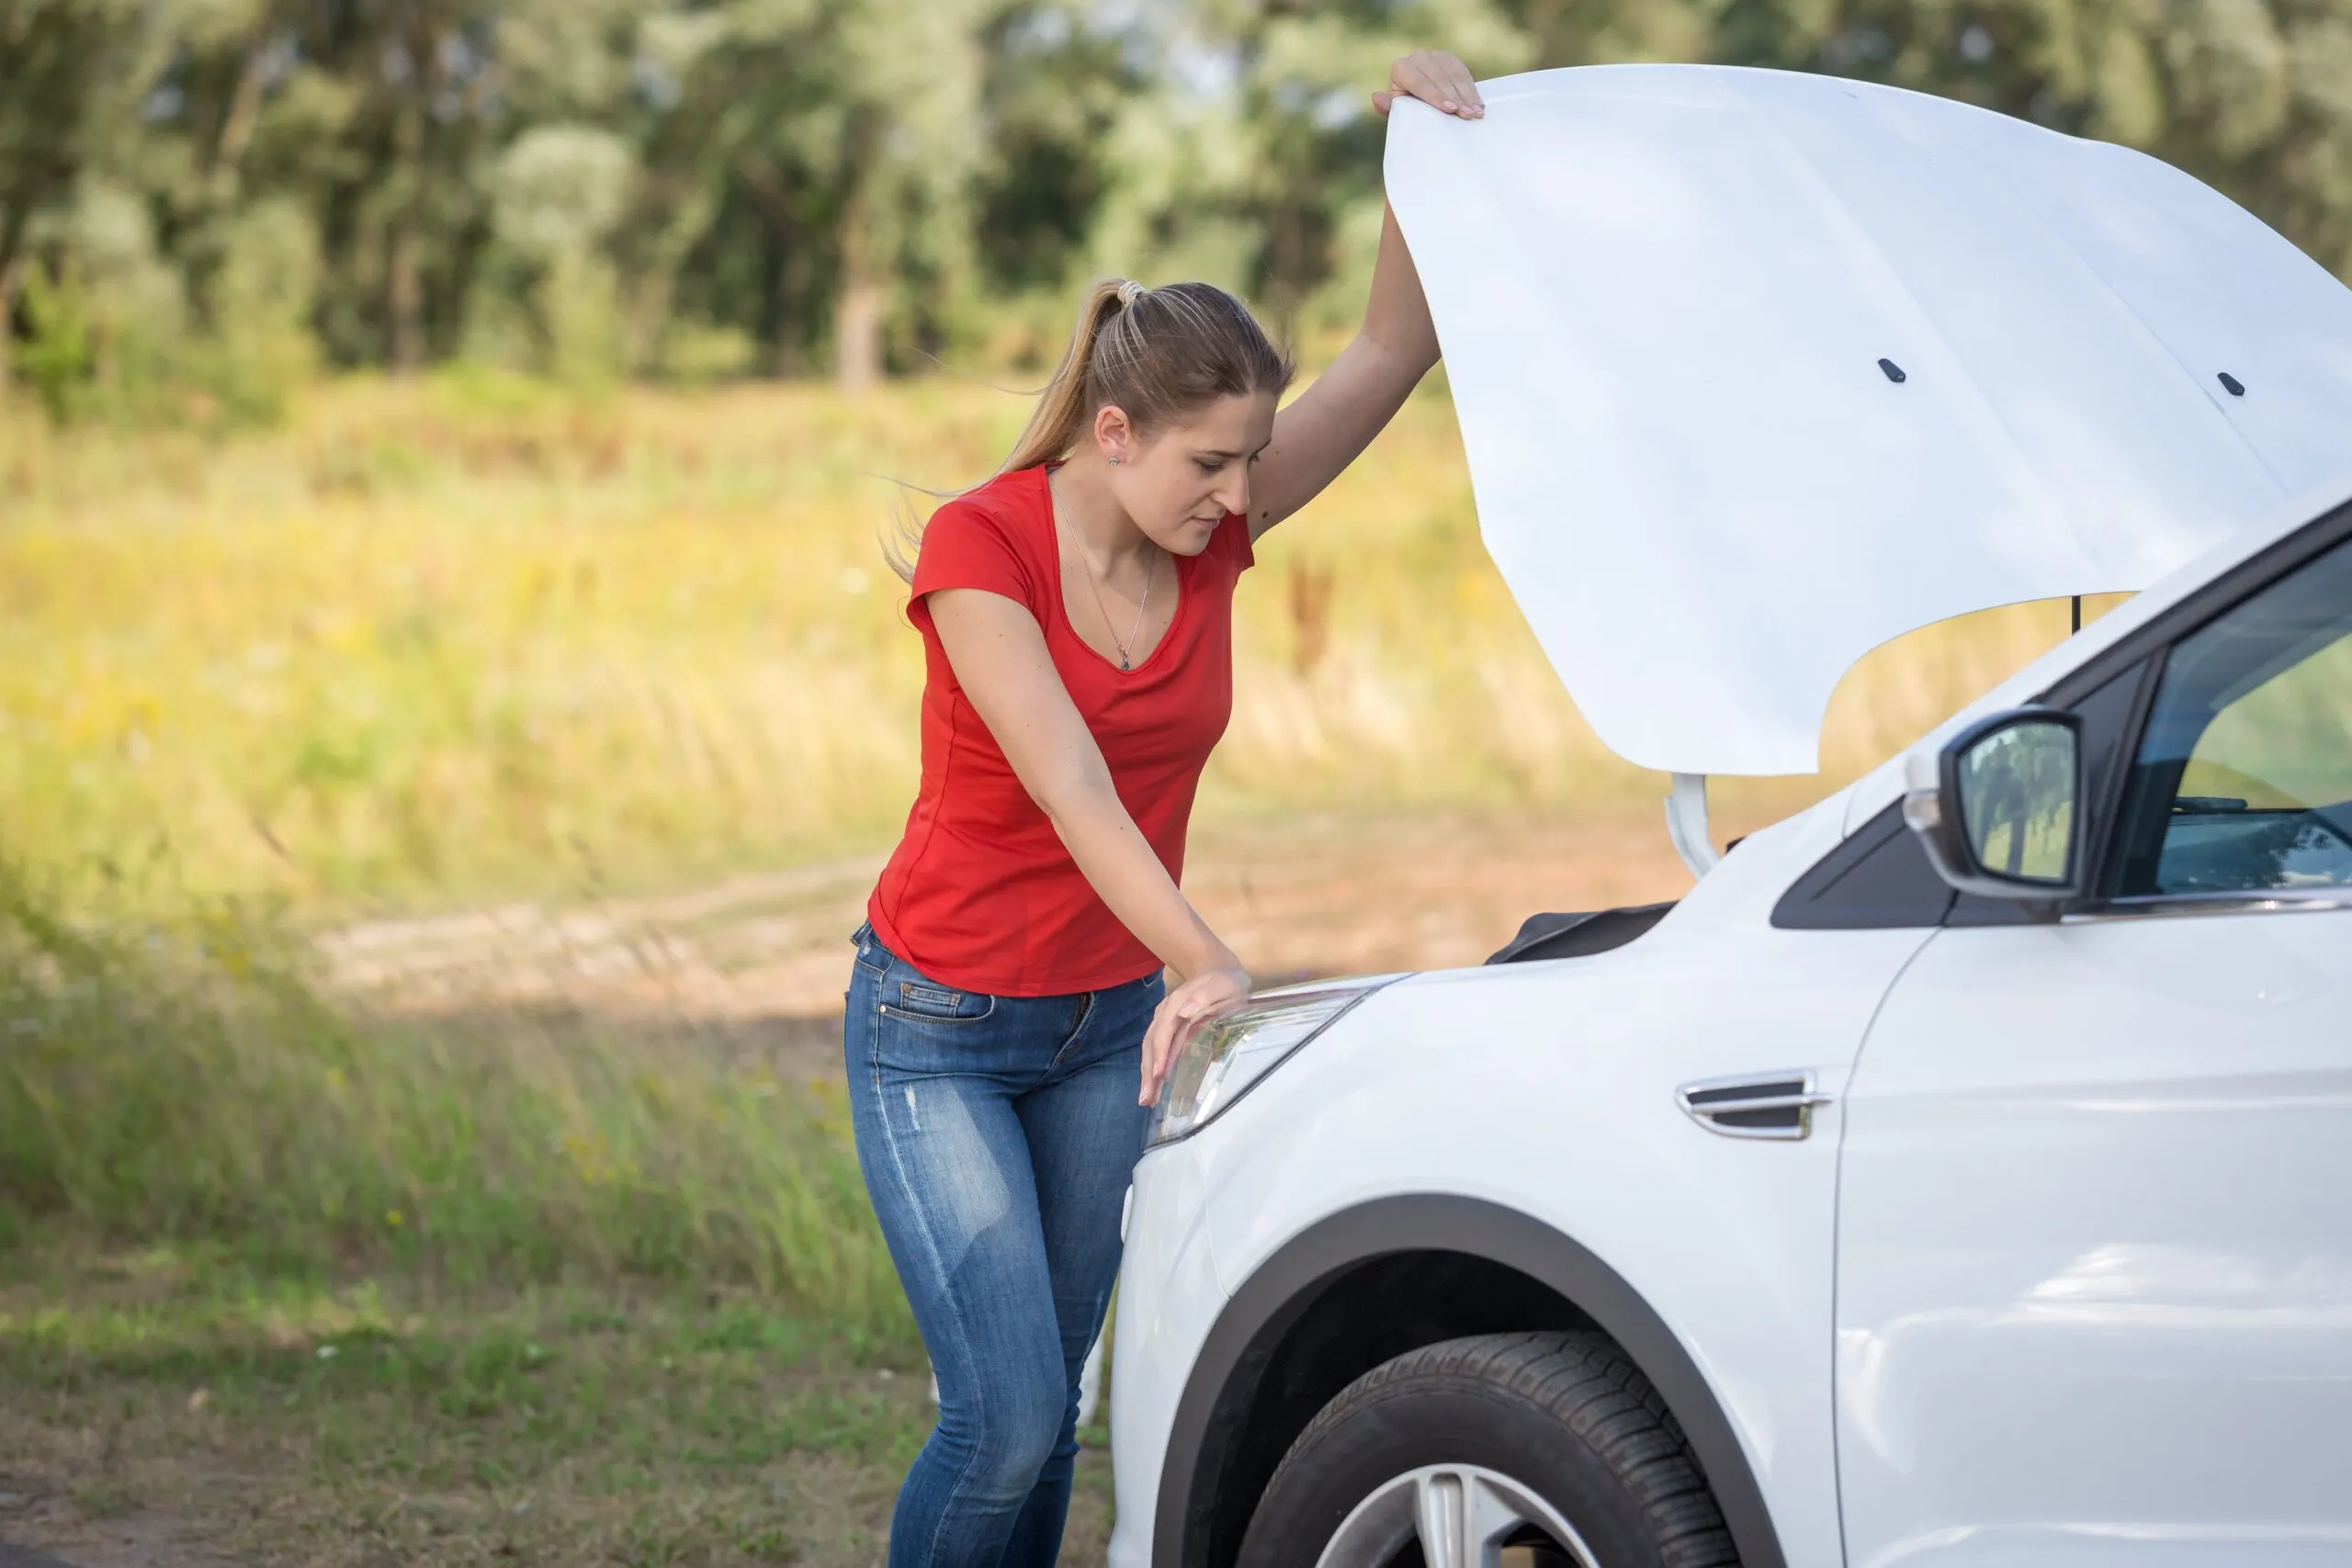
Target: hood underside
{"type": "Point", "coordinates": [1757, 370]}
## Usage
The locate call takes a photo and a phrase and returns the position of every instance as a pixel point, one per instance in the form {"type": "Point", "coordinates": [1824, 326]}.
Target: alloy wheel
{"type": "Point", "coordinates": [1465, 1515]}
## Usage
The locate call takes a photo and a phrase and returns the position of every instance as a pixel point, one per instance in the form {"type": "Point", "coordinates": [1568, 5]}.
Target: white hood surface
{"type": "Point", "coordinates": [1663, 294]}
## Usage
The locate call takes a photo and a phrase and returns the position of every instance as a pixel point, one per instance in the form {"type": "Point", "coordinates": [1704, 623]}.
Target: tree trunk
{"type": "Point", "coordinates": [857, 348]}
{"type": "Point", "coordinates": [404, 297]}
{"type": "Point", "coordinates": [784, 350]}
{"type": "Point", "coordinates": [857, 307]}
{"type": "Point", "coordinates": [775, 201]}
{"type": "Point", "coordinates": [403, 237]}
{"type": "Point", "coordinates": [14, 221]}
{"type": "Point", "coordinates": [12, 277]}
{"type": "Point", "coordinates": [654, 294]}
{"type": "Point", "coordinates": [236, 128]}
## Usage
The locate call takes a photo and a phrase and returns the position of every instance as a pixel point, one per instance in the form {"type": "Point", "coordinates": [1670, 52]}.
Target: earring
{"type": "Point", "coordinates": [1114, 460]}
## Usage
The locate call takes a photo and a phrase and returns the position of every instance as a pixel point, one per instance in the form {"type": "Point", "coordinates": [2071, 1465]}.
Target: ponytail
{"type": "Point", "coordinates": [1061, 412]}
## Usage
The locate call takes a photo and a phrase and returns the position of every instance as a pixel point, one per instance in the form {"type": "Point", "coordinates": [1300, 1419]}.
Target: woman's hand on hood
{"type": "Point", "coordinates": [1438, 79]}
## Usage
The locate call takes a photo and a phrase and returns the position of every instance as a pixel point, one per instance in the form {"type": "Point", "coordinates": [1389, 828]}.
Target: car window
{"type": "Point", "coordinates": [2243, 782]}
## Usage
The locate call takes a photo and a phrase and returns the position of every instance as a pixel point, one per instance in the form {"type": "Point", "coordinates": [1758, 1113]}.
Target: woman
{"type": "Point", "coordinates": [1006, 1003]}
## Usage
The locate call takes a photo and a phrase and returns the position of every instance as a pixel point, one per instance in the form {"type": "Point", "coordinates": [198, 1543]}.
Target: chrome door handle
{"type": "Point", "coordinates": [1753, 1105]}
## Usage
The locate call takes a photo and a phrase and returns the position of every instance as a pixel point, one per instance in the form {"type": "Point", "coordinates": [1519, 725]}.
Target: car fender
{"type": "Point", "coordinates": [1274, 1295]}
{"type": "Point", "coordinates": [1547, 1090]}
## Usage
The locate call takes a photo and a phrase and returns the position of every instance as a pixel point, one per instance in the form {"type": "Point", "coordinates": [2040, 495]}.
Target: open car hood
{"type": "Point", "coordinates": [1757, 370]}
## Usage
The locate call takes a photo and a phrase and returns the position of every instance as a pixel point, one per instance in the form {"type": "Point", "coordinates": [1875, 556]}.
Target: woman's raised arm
{"type": "Point", "coordinates": [1321, 433]}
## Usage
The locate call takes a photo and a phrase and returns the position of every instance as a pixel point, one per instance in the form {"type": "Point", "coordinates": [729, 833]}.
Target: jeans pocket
{"type": "Point", "coordinates": [920, 1000]}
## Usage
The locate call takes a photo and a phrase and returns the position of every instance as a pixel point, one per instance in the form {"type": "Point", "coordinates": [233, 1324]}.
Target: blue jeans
{"type": "Point", "coordinates": [997, 1135]}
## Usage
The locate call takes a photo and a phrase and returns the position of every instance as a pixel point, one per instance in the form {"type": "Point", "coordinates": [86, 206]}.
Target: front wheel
{"type": "Point", "coordinates": [1553, 1447]}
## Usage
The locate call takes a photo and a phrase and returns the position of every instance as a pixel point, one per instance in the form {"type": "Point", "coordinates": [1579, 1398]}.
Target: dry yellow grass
{"type": "Point", "coordinates": [467, 636]}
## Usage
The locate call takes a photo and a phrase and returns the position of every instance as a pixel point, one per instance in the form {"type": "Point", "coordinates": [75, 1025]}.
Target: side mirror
{"type": "Point", "coordinates": [2001, 816]}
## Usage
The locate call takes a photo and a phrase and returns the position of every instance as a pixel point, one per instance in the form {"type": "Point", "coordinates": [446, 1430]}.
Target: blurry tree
{"type": "Point", "coordinates": [259, 303]}
{"type": "Point", "coordinates": [557, 192]}
{"type": "Point", "coordinates": [205, 194]}
{"type": "Point", "coordinates": [1257, 147]}
{"type": "Point", "coordinates": [406, 209]}
{"type": "Point", "coordinates": [1054, 86]}
{"type": "Point", "coordinates": [72, 74]}
{"type": "Point", "coordinates": [109, 314]}
{"type": "Point", "coordinates": [849, 134]}
{"type": "Point", "coordinates": [1057, 81]}
{"type": "Point", "coordinates": [2254, 97]}
{"type": "Point", "coordinates": [1599, 32]}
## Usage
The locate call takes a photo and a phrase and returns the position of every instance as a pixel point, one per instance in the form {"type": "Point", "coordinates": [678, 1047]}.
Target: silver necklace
{"type": "Point", "coordinates": [1150, 573]}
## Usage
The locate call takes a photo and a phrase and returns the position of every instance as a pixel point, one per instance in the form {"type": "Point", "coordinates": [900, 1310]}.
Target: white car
{"type": "Point", "coordinates": [1962, 1173]}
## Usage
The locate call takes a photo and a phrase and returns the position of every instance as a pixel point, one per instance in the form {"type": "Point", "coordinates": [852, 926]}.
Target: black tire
{"type": "Point", "coordinates": [1565, 1415]}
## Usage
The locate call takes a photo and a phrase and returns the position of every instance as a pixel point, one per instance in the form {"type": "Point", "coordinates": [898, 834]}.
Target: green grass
{"type": "Point", "coordinates": [359, 1420]}
{"type": "Point", "coordinates": [300, 1284]}
{"type": "Point", "coordinates": [187, 1082]}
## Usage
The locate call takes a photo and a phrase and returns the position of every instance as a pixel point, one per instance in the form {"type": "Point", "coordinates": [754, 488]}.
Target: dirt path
{"type": "Point", "coordinates": [17, 1557]}
{"type": "Point", "coordinates": [1299, 897]}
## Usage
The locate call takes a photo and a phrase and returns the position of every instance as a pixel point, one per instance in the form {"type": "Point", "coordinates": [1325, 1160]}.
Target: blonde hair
{"type": "Point", "coordinates": [1158, 355]}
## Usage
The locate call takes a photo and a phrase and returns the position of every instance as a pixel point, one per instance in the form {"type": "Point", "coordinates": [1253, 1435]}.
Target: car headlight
{"type": "Point", "coordinates": [1231, 1052]}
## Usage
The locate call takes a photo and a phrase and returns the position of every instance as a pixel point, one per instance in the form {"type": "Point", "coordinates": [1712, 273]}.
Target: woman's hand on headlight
{"type": "Point", "coordinates": [1182, 1011]}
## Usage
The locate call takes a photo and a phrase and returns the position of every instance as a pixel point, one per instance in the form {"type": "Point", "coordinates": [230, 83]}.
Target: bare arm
{"type": "Point", "coordinates": [1335, 419]}
{"type": "Point", "coordinates": [1323, 429]}
{"type": "Point", "coordinates": [1000, 658]}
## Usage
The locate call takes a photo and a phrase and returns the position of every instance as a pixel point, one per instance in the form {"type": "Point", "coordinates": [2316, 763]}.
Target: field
{"type": "Point", "coordinates": [429, 833]}
{"type": "Point", "coordinates": [457, 639]}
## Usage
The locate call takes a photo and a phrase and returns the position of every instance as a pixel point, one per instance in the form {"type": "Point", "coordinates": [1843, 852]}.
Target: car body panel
{"type": "Point", "coordinates": [2095, 1292]}
{"type": "Point", "coordinates": [1169, 1300]}
{"type": "Point", "coordinates": [1664, 293]}
{"type": "Point", "coordinates": [1729, 1240]}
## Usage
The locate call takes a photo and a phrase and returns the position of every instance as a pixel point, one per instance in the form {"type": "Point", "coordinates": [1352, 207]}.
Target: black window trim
{"type": "Point", "coordinates": [2104, 796]}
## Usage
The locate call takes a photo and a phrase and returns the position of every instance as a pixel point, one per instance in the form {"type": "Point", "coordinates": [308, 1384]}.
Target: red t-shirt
{"type": "Point", "coordinates": [981, 893]}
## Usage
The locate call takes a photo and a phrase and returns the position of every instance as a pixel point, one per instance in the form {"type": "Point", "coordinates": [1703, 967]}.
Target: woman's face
{"type": "Point", "coordinates": [1178, 482]}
